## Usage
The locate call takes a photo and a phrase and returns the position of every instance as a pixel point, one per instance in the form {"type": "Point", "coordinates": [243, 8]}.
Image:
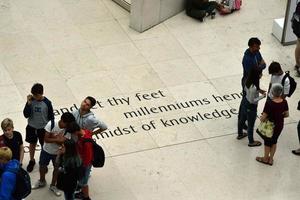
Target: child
{"type": "Point", "coordinates": [70, 169]}
{"type": "Point", "coordinates": [8, 178]}
{"type": "Point", "coordinates": [85, 150]}
{"type": "Point", "coordinates": [12, 139]}
{"type": "Point", "coordinates": [39, 111]}
{"type": "Point", "coordinates": [54, 137]}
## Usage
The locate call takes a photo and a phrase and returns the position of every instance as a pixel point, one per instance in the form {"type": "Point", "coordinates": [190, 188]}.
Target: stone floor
{"type": "Point", "coordinates": [85, 47]}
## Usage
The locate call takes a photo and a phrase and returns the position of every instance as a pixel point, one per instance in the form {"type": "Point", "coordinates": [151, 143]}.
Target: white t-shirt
{"type": "Point", "coordinates": [52, 148]}
{"type": "Point", "coordinates": [278, 79]}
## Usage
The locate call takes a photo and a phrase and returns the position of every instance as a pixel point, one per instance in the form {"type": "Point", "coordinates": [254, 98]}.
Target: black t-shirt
{"type": "Point", "coordinates": [14, 144]}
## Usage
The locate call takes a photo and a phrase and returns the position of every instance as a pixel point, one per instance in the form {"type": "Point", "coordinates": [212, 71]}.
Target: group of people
{"type": "Point", "coordinates": [63, 143]}
{"type": "Point", "coordinates": [199, 9]}
{"type": "Point", "coordinates": [276, 106]}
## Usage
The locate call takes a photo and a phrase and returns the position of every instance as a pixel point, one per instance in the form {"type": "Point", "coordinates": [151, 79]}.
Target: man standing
{"type": "Point", "coordinates": [252, 58]}
{"type": "Point", "coordinates": [86, 119]}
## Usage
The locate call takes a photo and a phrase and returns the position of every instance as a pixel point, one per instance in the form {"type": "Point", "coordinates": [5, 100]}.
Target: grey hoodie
{"type": "Point", "coordinates": [88, 121]}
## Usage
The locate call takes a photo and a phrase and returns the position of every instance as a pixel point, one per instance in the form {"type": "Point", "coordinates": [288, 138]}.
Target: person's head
{"type": "Point", "coordinates": [7, 126]}
{"type": "Point", "coordinates": [74, 129]}
{"type": "Point", "coordinates": [254, 44]}
{"type": "Point", "coordinates": [66, 118]}
{"type": "Point", "coordinates": [87, 104]}
{"type": "Point", "coordinates": [253, 78]}
{"type": "Point", "coordinates": [275, 69]}
{"type": "Point", "coordinates": [5, 155]}
{"type": "Point", "coordinates": [70, 148]}
{"type": "Point", "coordinates": [71, 157]}
{"type": "Point", "coordinates": [37, 91]}
{"type": "Point", "coordinates": [277, 90]}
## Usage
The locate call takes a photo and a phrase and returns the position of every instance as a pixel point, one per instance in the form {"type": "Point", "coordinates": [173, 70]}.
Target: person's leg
{"type": "Point", "coordinates": [53, 187]}
{"type": "Point", "coordinates": [272, 153]}
{"type": "Point", "coordinates": [297, 54]}
{"type": "Point", "coordinates": [251, 118]}
{"type": "Point", "coordinates": [84, 183]}
{"type": "Point", "coordinates": [242, 118]}
{"type": "Point", "coordinates": [267, 153]}
{"type": "Point", "coordinates": [31, 138]}
{"type": "Point", "coordinates": [32, 150]}
{"type": "Point", "coordinates": [69, 195]}
{"type": "Point", "coordinates": [297, 151]}
{"type": "Point", "coordinates": [298, 129]}
{"type": "Point", "coordinates": [44, 162]}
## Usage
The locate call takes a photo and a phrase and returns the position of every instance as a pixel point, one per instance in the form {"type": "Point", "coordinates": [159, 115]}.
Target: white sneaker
{"type": "Point", "coordinates": [39, 184]}
{"type": "Point", "coordinates": [55, 190]}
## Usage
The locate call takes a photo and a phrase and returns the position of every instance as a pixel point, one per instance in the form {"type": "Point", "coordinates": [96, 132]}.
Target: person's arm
{"type": "Point", "coordinates": [263, 117]}
{"type": "Point", "coordinates": [21, 154]}
{"type": "Point", "coordinates": [51, 138]}
{"type": "Point", "coordinates": [8, 182]}
{"type": "Point", "coordinates": [286, 114]}
{"type": "Point", "coordinates": [50, 109]}
{"type": "Point", "coordinates": [28, 109]}
{"type": "Point", "coordinates": [96, 124]}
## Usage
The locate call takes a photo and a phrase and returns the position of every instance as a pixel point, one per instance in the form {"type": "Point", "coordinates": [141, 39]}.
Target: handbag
{"type": "Point", "coordinates": [265, 129]}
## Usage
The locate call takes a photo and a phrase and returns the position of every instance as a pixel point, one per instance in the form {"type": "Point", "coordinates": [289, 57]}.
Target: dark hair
{"type": "Point", "coordinates": [71, 157]}
{"type": "Point", "coordinates": [67, 117]}
{"type": "Point", "coordinates": [253, 77]}
{"type": "Point", "coordinates": [37, 88]}
{"type": "Point", "coordinates": [73, 127]}
{"type": "Point", "coordinates": [253, 40]}
{"type": "Point", "coordinates": [92, 100]}
{"type": "Point", "coordinates": [274, 68]}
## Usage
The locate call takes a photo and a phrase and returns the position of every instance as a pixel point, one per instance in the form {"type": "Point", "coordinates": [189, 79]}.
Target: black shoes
{"type": "Point", "coordinates": [296, 152]}
{"type": "Point", "coordinates": [30, 166]}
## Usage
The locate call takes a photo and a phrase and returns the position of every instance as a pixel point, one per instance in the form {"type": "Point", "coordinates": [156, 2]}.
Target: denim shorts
{"type": "Point", "coordinates": [84, 180]}
{"type": "Point", "coordinates": [46, 157]}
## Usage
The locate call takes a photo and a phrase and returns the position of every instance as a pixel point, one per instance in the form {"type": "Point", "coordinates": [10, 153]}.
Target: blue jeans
{"type": "Point", "coordinates": [248, 112]}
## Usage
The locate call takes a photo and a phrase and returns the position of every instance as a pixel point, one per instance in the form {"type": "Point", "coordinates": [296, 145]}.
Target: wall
{"type": "Point", "coordinates": [148, 13]}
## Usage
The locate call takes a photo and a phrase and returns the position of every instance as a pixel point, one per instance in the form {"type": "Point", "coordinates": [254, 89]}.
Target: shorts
{"type": "Point", "coordinates": [46, 157]}
{"type": "Point", "coordinates": [84, 180]}
{"type": "Point", "coordinates": [33, 135]}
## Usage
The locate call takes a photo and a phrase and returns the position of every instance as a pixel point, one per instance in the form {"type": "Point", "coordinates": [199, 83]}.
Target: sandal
{"type": "Point", "coordinates": [239, 137]}
{"type": "Point", "coordinates": [254, 144]}
{"type": "Point", "coordinates": [270, 162]}
{"type": "Point", "coordinates": [261, 160]}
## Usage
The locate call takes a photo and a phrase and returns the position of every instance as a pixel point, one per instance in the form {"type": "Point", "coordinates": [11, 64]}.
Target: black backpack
{"type": "Point", "coordinates": [23, 184]}
{"type": "Point", "coordinates": [293, 83]}
{"type": "Point", "coordinates": [99, 155]}
{"type": "Point", "coordinates": [296, 21]}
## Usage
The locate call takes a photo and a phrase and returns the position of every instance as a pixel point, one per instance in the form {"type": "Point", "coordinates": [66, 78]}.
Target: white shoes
{"type": "Point", "coordinates": [55, 190]}
{"type": "Point", "coordinates": [38, 184]}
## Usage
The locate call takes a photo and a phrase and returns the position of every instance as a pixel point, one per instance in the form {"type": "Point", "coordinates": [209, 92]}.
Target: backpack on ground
{"type": "Point", "coordinates": [293, 83]}
{"type": "Point", "coordinates": [98, 153]}
{"type": "Point", "coordinates": [229, 6]}
{"type": "Point", "coordinates": [296, 21]}
{"type": "Point", "coordinates": [23, 184]}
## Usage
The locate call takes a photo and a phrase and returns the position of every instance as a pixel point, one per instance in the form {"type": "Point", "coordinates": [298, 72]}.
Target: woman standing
{"type": "Point", "coordinates": [275, 111]}
{"type": "Point", "coordinates": [248, 108]}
